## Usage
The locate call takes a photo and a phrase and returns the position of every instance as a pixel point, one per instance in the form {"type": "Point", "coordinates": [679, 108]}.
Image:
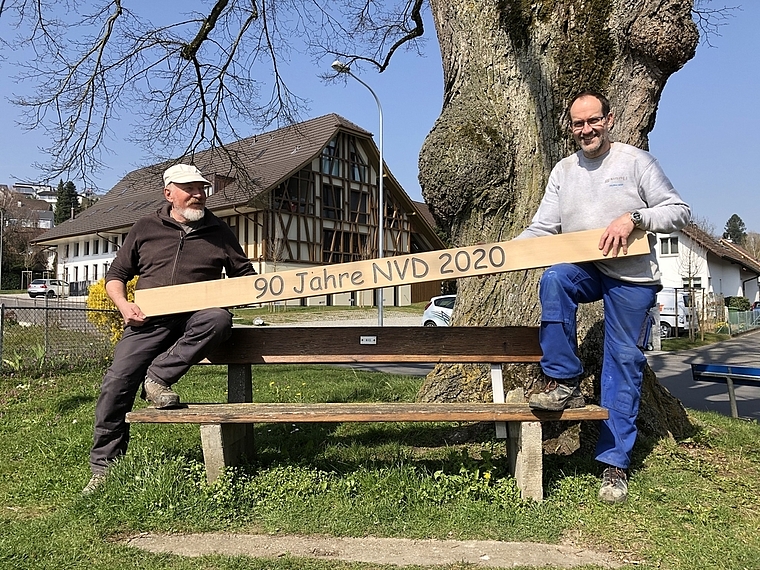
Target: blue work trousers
{"type": "Point", "coordinates": [627, 324]}
{"type": "Point", "coordinates": [164, 348]}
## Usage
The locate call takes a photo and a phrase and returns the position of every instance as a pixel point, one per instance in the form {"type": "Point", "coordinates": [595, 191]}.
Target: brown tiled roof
{"type": "Point", "coordinates": [743, 255]}
{"type": "Point", "coordinates": [268, 159]}
{"type": "Point", "coordinates": [30, 203]}
{"type": "Point", "coordinates": [724, 249]}
{"type": "Point", "coordinates": [425, 213]}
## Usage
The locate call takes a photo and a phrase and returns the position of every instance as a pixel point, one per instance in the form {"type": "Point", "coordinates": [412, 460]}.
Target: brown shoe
{"type": "Point", "coordinates": [558, 396]}
{"type": "Point", "coordinates": [95, 482]}
{"type": "Point", "coordinates": [159, 395]}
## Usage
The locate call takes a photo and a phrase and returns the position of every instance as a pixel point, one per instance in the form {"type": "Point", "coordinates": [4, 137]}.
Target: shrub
{"type": "Point", "coordinates": [104, 315]}
{"type": "Point", "coordinates": [738, 303]}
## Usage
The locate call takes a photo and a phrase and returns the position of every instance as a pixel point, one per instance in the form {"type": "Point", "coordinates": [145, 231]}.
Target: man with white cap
{"type": "Point", "coordinates": [182, 242]}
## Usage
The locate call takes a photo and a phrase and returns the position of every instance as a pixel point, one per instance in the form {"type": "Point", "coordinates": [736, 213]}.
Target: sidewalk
{"type": "Point", "coordinates": [673, 370]}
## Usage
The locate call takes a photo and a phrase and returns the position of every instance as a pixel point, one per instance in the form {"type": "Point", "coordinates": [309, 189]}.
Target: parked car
{"type": "Point", "coordinates": [48, 288]}
{"type": "Point", "coordinates": [438, 311]}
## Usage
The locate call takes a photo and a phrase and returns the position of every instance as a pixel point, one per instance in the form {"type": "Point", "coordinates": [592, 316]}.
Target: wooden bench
{"type": "Point", "coordinates": [227, 429]}
{"type": "Point", "coordinates": [729, 375]}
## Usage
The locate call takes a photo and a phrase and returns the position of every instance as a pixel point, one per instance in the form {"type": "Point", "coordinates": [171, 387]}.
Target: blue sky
{"type": "Point", "coordinates": [707, 134]}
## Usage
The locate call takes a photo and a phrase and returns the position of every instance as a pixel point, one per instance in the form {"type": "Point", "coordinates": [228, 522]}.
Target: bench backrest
{"type": "Point", "coordinates": [322, 345]}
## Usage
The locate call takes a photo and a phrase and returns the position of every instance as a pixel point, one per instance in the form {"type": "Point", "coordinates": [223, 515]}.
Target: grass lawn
{"type": "Point", "coordinates": [693, 504]}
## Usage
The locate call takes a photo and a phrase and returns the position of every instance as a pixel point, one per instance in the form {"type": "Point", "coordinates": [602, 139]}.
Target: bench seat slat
{"type": "Point", "coordinates": [245, 413]}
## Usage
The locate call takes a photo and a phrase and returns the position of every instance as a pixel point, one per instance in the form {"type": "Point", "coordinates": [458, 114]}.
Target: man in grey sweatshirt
{"type": "Point", "coordinates": [618, 187]}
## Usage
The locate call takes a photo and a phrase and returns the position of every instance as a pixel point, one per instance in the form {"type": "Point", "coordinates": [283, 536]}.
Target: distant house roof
{"type": "Point", "coordinates": [723, 248]}
{"type": "Point", "coordinates": [268, 159]}
{"type": "Point", "coordinates": [28, 202]}
{"type": "Point", "coordinates": [425, 212]}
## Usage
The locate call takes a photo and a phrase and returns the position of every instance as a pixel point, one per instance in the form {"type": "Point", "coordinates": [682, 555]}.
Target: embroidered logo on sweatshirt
{"type": "Point", "coordinates": [616, 181]}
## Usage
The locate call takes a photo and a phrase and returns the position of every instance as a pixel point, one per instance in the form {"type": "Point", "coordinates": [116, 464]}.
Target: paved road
{"type": "Point", "coordinates": [673, 369]}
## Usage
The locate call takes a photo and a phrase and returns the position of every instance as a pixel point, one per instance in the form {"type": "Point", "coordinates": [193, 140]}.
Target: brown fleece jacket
{"type": "Point", "coordinates": [161, 253]}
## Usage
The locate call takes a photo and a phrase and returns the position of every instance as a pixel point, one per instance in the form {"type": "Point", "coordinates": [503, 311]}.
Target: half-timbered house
{"type": "Point", "coordinates": [299, 196]}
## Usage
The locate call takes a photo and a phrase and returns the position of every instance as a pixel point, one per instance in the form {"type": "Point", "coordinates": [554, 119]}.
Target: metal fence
{"type": "Point", "coordinates": [741, 321]}
{"type": "Point", "coordinates": [40, 336]}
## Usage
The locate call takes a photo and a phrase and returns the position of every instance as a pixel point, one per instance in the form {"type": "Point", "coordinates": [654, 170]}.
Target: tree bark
{"type": "Point", "coordinates": [510, 69]}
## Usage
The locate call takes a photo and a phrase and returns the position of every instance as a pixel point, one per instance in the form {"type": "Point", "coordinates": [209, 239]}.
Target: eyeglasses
{"type": "Point", "coordinates": [591, 121]}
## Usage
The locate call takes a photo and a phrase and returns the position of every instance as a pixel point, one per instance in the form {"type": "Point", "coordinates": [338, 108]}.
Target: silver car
{"type": "Point", "coordinates": [48, 288]}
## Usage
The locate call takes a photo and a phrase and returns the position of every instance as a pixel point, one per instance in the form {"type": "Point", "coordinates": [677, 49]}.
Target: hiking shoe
{"type": "Point", "coordinates": [96, 481]}
{"type": "Point", "coordinates": [614, 487]}
{"type": "Point", "coordinates": [558, 396]}
{"type": "Point", "coordinates": [159, 395]}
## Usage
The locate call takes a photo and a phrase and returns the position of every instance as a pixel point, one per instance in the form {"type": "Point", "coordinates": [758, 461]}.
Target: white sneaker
{"type": "Point", "coordinates": [614, 487]}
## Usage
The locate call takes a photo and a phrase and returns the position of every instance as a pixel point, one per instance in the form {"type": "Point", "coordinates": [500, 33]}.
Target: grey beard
{"type": "Point", "coordinates": [191, 214]}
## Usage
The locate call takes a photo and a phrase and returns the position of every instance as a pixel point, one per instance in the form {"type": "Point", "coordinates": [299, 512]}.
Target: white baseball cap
{"type": "Point", "coordinates": [182, 174]}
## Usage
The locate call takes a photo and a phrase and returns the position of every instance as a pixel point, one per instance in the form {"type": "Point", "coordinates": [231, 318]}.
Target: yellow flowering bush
{"type": "Point", "coordinates": [106, 321]}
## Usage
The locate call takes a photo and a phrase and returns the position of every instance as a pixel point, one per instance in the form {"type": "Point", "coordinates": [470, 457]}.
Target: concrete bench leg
{"type": "Point", "coordinates": [526, 458]}
{"type": "Point", "coordinates": [225, 445]}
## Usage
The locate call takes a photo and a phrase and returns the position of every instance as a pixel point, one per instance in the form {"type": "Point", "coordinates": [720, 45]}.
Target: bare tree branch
{"type": "Point", "coordinates": [189, 51]}
{"type": "Point", "coordinates": [711, 20]}
{"type": "Point", "coordinates": [187, 86]}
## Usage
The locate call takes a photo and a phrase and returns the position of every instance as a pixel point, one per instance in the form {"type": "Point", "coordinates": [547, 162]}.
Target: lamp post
{"type": "Point", "coordinates": [341, 67]}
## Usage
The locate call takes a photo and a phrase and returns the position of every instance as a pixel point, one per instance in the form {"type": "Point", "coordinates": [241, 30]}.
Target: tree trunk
{"type": "Point", "coordinates": [510, 69]}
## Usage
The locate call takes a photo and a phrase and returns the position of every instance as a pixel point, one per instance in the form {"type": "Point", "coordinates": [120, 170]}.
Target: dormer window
{"type": "Point", "coordinates": [220, 183]}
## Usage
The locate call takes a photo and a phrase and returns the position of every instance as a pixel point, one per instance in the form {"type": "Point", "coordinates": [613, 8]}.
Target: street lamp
{"type": "Point", "coordinates": [341, 67]}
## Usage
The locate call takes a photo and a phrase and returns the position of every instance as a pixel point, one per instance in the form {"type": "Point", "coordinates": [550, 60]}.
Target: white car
{"type": "Point", "coordinates": [438, 311]}
{"type": "Point", "coordinates": [48, 288]}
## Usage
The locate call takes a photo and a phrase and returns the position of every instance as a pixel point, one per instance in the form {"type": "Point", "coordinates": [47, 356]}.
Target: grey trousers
{"type": "Point", "coordinates": [164, 349]}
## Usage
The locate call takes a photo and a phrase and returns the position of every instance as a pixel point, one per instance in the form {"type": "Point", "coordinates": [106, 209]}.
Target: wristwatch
{"type": "Point", "coordinates": [636, 218]}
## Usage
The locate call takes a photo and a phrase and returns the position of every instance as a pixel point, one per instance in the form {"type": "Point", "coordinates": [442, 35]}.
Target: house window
{"type": "Point", "coordinates": [94, 272]}
{"type": "Point", "coordinates": [66, 251]}
{"type": "Point", "coordinates": [359, 210]}
{"type": "Point", "coordinates": [341, 247]}
{"type": "Point", "coordinates": [331, 158]}
{"type": "Point", "coordinates": [669, 246]}
{"type": "Point", "coordinates": [96, 247]}
{"type": "Point", "coordinates": [76, 249]}
{"type": "Point", "coordinates": [296, 194]}
{"type": "Point", "coordinates": [87, 248]}
{"type": "Point", "coordinates": [696, 282]}
{"type": "Point", "coordinates": [356, 163]}
{"type": "Point", "coordinates": [332, 202]}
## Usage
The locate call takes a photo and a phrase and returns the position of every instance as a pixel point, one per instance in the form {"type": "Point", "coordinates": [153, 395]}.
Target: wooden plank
{"type": "Point", "coordinates": [360, 412]}
{"type": "Point", "coordinates": [386, 272]}
{"type": "Point", "coordinates": [321, 345]}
